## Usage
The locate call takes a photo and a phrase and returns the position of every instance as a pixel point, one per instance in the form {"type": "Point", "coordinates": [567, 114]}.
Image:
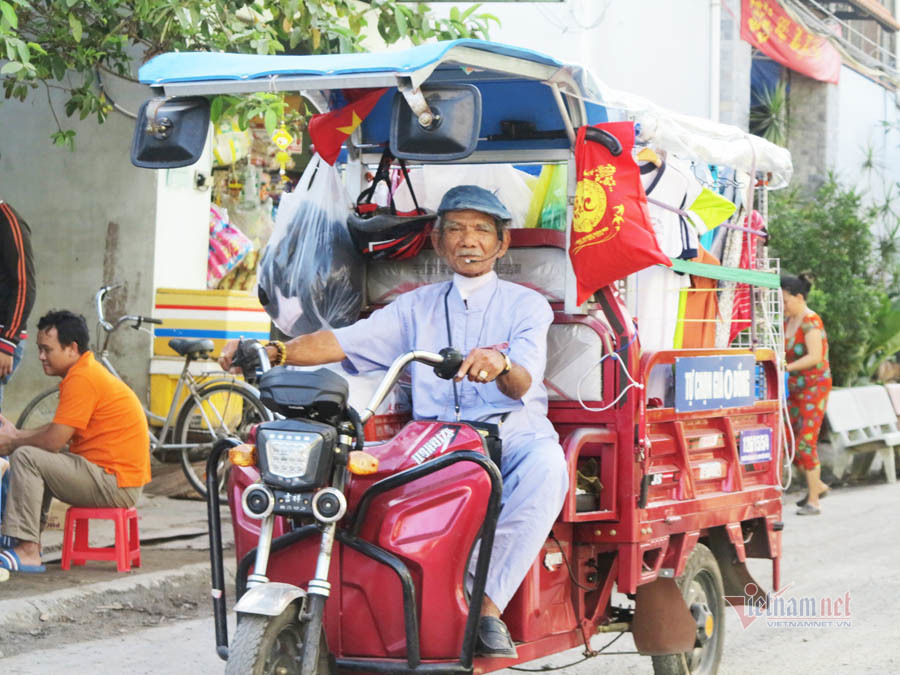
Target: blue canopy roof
{"type": "Point", "coordinates": [513, 83]}
{"type": "Point", "coordinates": [195, 66]}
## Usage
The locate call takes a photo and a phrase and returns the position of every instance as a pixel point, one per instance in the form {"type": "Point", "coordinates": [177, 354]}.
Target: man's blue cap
{"type": "Point", "coordinates": [464, 197]}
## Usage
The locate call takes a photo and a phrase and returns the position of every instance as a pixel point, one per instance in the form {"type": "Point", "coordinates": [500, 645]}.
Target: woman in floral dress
{"type": "Point", "coordinates": [809, 382]}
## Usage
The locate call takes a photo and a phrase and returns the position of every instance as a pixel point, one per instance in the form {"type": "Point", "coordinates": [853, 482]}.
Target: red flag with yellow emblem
{"type": "Point", "coordinates": [328, 131]}
{"type": "Point", "coordinates": [611, 232]}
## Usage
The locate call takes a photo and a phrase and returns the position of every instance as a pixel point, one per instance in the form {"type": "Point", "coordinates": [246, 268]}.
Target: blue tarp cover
{"type": "Point", "coordinates": [195, 66]}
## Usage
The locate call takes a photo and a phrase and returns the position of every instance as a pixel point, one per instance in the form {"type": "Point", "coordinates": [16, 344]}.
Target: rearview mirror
{"type": "Point", "coordinates": [170, 132]}
{"type": "Point", "coordinates": [452, 135]}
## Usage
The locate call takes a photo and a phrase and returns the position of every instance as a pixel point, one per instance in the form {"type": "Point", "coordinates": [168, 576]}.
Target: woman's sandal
{"type": "Point", "coordinates": [805, 500]}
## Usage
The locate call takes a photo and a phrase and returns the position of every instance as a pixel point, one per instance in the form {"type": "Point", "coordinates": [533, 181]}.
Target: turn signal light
{"type": "Point", "coordinates": [362, 463]}
{"type": "Point", "coordinates": [242, 455]}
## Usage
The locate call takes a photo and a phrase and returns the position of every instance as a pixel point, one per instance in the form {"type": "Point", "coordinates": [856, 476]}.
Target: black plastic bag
{"type": "Point", "coordinates": [310, 276]}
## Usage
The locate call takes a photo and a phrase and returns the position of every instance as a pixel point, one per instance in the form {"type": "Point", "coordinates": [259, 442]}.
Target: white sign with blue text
{"type": "Point", "coordinates": [712, 382]}
{"type": "Point", "coordinates": [756, 446]}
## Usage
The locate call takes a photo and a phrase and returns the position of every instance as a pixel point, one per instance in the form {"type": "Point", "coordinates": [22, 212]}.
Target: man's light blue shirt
{"type": "Point", "coordinates": [500, 314]}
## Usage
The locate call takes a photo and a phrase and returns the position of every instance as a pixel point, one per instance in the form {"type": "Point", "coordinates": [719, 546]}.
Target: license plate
{"type": "Point", "coordinates": [756, 446]}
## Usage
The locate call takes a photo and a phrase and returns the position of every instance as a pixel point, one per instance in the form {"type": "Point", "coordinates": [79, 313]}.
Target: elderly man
{"type": "Point", "coordinates": [502, 327]}
{"type": "Point", "coordinates": [102, 422]}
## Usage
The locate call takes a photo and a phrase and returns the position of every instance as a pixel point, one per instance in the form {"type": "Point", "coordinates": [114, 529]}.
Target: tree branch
{"type": "Point", "coordinates": [50, 105]}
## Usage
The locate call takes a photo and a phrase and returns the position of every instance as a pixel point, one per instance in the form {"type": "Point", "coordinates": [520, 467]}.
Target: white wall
{"type": "Point", "coordinates": [863, 106]}
{"type": "Point", "coordinates": [182, 233]}
{"type": "Point", "coordinates": [92, 216]}
{"type": "Point", "coordinates": [659, 49]}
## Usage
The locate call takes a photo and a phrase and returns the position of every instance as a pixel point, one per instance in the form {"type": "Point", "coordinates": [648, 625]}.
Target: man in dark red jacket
{"type": "Point", "coordinates": [16, 289]}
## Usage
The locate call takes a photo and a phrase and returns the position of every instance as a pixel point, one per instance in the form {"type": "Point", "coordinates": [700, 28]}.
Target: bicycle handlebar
{"type": "Point", "coordinates": [98, 304]}
{"type": "Point", "coordinates": [135, 319]}
{"type": "Point", "coordinates": [100, 296]}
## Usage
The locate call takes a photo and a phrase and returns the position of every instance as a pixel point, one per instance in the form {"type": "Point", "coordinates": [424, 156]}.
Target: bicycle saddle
{"type": "Point", "coordinates": [187, 347]}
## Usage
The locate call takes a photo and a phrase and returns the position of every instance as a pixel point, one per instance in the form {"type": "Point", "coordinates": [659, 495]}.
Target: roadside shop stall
{"type": "Point", "coordinates": [664, 386]}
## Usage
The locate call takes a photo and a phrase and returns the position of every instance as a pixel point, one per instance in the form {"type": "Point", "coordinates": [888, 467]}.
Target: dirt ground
{"type": "Point", "coordinates": [111, 613]}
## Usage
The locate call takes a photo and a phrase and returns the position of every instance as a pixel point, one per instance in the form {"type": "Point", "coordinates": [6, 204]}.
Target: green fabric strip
{"type": "Point", "coordinates": [754, 277]}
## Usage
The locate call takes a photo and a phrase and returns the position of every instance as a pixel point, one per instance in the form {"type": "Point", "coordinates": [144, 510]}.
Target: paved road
{"type": "Point", "coordinates": [853, 548]}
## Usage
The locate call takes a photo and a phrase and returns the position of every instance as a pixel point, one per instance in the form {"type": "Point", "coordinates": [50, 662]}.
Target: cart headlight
{"type": "Point", "coordinates": [288, 454]}
{"type": "Point", "coordinates": [295, 454]}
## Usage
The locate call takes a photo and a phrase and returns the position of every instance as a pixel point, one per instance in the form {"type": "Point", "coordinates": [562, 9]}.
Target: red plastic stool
{"type": "Point", "coordinates": [127, 549]}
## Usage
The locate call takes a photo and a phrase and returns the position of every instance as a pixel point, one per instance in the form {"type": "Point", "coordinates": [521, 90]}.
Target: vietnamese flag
{"type": "Point", "coordinates": [612, 236]}
{"type": "Point", "coordinates": [328, 131]}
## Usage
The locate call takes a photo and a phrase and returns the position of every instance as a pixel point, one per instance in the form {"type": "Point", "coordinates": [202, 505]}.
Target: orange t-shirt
{"type": "Point", "coordinates": [110, 425]}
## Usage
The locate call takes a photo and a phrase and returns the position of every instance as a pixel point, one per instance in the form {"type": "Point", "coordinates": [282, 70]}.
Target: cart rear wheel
{"type": "Point", "coordinates": [703, 592]}
{"type": "Point", "coordinates": [270, 645]}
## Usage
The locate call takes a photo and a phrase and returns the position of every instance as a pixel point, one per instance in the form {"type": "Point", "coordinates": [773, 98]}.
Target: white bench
{"type": "Point", "coordinates": [862, 420]}
{"type": "Point", "coordinates": [893, 390]}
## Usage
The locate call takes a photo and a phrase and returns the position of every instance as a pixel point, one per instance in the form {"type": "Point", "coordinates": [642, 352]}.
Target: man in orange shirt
{"type": "Point", "coordinates": [102, 422]}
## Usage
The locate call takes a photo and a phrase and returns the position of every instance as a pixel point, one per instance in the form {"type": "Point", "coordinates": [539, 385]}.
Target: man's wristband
{"type": "Point", "coordinates": [280, 352]}
{"type": "Point", "coordinates": [507, 367]}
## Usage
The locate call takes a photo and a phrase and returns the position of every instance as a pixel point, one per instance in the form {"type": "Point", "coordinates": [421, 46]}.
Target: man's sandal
{"type": "Point", "coordinates": [9, 560]}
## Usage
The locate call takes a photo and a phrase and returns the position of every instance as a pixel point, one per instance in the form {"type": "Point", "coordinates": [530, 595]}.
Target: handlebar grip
{"type": "Point", "coordinates": [447, 368]}
{"type": "Point", "coordinates": [150, 319]}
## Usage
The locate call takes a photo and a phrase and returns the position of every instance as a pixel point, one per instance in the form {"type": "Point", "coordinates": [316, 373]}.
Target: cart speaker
{"type": "Point", "coordinates": [452, 132]}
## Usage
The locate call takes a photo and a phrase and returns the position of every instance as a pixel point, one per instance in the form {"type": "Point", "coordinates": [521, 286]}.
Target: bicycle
{"type": "Point", "coordinates": [216, 407]}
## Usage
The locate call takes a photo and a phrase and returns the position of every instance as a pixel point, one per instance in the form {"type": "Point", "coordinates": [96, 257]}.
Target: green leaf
{"type": "Point", "coordinates": [9, 14]}
{"type": "Point", "coordinates": [355, 23]}
{"type": "Point", "coordinates": [24, 54]}
{"type": "Point", "coordinates": [271, 119]}
{"type": "Point", "coordinates": [215, 109]}
{"type": "Point", "coordinates": [468, 12]}
{"type": "Point", "coordinates": [75, 25]}
{"type": "Point", "coordinates": [37, 49]}
{"type": "Point", "coordinates": [400, 20]}
{"type": "Point", "coordinates": [11, 68]}
{"type": "Point", "coordinates": [71, 3]}
{"type": "Point", "coordinates": [454, 13]}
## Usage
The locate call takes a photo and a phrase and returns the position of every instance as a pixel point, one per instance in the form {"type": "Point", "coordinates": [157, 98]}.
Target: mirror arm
{"type": "Point", "coordinates": [158, 128]}
{"type": "Point", "coordinates": [417, 103]}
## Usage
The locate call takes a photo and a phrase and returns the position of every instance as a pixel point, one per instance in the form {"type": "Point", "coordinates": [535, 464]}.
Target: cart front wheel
{"type": "Point", "coordinates": [266, 645]}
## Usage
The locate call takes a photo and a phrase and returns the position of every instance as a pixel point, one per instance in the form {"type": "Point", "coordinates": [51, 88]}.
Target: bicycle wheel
{"type": "Point", "coordinates": [220, 410]}
{"type": "Point", "coordinates": [40, 410]}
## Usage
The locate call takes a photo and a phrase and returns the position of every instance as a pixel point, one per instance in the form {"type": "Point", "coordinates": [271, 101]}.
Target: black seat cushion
{"type": "Point", "coordinates": [185, 346]}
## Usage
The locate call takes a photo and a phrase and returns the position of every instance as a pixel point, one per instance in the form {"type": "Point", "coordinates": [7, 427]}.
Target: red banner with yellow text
{"type": "Point", "coordinates": [611, 231]}
{"type": "Point", "coordinates": [766, 26]}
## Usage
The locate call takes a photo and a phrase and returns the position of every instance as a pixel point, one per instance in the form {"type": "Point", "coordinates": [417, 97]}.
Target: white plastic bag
{"type": "Point", "coordinates": [506, 182]}
{"type": "Point", "coordinates": [310, 276]}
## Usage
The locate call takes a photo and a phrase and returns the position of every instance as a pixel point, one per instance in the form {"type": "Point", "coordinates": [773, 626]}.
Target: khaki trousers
{"type": "Point", "coordinates": [35, 476]}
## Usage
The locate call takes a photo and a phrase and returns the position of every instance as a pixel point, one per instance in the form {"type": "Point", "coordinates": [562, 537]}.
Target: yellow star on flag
{"type": "Point", "coordinates": [354, 122]}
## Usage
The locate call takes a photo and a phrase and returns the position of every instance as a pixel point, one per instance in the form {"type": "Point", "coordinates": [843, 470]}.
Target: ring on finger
{"type": "Point", "coordinates": [482, 375]}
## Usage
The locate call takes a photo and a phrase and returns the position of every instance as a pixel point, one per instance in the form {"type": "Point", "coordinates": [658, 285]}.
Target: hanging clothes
{"type": "Point", "coordinates": [673, 184]}
{"type": "Point", "coordinates": [741, 312]}
{"type": "Point", "coordinates": [700, 309]}
{"type": "Point", "coordinates": [656, 290]}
